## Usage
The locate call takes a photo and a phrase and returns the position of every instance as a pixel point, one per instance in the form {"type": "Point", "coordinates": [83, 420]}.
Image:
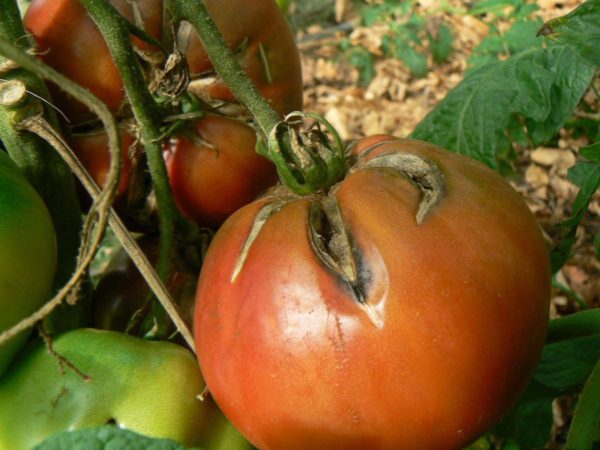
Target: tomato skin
{"type": "Point", "coordinates": [69, 41]}
{"type": "Point", "coordinates": [27, 253]}
{"type": "Point", "coordinates": [92, 150]}
{"type": "Point", "coordinates": [210, 183]}
{"type": "Point", "coordinates": [148, 387]}
{"type": "Point", "coordinates": [462, 298]}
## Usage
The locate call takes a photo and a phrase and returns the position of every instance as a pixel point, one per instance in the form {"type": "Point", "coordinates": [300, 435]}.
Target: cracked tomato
{"type": "Point", "coordinates": [405, 308]}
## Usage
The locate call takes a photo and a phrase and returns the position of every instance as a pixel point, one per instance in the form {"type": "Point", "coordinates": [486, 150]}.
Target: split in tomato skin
{"type": "Point", "coordinates": [448, 333]}
{"type": "Point", "coordinates": [210, 182]}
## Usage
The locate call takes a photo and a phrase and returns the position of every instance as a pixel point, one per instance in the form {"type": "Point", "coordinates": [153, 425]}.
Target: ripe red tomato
{"type": "Point", "coordinates": [212, 181]}
{"type": "Point", "coordinates": [92, 151]}
{"type": "Point", "coordinates": [69, 41]}
{"type": "Point", "coordinates": [343, 323]}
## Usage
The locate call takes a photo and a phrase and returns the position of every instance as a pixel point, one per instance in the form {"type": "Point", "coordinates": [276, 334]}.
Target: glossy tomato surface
{"type": "Point", "coordinates": [27, 253]}
{"type": "Point", "coordinates": [69, 41]}
{"type": "Point", "coordinates": [211, 181]}
{"type": "Point", "coordinates": [441, 341]}
{"type": "Point", "coordinates": [148, 387]}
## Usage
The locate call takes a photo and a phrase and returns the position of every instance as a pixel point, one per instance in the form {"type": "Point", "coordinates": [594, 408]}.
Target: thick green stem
{"type": "Point", "coordinates": [43, 167]}
{"type": "Point", "coordinates": [223, 60]}
{"type": "Point", "coordinates": [116, 32]}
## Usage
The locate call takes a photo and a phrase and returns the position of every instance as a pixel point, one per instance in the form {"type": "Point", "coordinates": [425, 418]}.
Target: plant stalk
{"type": "Point", "coordinates": [44, 169]}
{"type": "Point", "coordinates": [223, 60]}
{"type": "Point", "coordinates": [116, 32]}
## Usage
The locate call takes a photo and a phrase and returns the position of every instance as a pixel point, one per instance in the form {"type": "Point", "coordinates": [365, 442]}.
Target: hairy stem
{"type": "Point", "coordinates": [45, 170]}
{"type": "Point", "coordinates": [225, 64]}
{"type": "Point", "coordinates": [116, 32]}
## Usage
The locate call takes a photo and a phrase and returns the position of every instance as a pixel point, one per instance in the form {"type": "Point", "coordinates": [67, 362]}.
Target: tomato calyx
{"type": "Point", "coordinates": [308, 159]}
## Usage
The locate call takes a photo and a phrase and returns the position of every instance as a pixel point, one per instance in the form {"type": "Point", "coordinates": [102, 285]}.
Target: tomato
{"type": "Point", "coordinates": [92, 150]}
{"type": "Point", "coordinates": [69, 41]}
{"type": "Point", "coordinates": [148, 387]}
{"type": "Point", "coordinates": [212, 181]}
{"type": "Point", "coordinates": [392, 312]}
{"type": "Point", "coordinates": [27, 253]}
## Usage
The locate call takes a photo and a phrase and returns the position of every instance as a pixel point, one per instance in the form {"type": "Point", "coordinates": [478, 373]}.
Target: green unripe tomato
{"type": "Point", "coordinates": [148, 387]}
{"type": "Point", "coordinates": [27, 253]}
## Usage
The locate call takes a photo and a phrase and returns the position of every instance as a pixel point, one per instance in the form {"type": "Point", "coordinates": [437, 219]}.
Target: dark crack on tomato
{"type": "Point", "coordinates": [333, 245]}
{"type": "Point", "coordinates": [422, 172]}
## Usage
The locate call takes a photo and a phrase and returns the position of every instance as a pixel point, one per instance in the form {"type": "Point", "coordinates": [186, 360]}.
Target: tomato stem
{"type": "Point", "coordinates": [44, 169]}
{"type": "Point", "coordinates": [116, 33]}
{"type": "Point", "coordinates": [223, 60]}
{"type": "Point", "coordinates": [128, 243]}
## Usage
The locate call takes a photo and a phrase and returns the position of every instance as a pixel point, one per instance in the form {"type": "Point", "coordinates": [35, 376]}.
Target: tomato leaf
{"type": "Point", "coordinates": [542, 85]}
{"type": "Point", "coordinates": [519, 38]}
{"type": "Point", "coordinates": [106, 438]}
{"type": "Point", "coordinates": [441, 43]}
{"type": "Point", "coordinates": [584, 432]}
{"type": "Point", "coordinates": [578, 30]}
{"type": "Point", "coordinates": [530, 421]}
{"type": "Point", "coordinates": [585, 175]}
{"type": "Point", "coordinates": [580, 324]}
{"type": "Point", "coordinates": [566, 364]}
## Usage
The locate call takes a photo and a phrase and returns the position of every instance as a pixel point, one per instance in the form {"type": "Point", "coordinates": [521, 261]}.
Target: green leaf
{"type": "Point", "coordinates": [415, 61]}
{"type": "Point", "coordinates": [542, 85]}
{"type": "Point", "coordinates": [522, 36]}
{"type": "Point", "coordinates": [584, 433]}
{"type": "Point", "coordinates": [580, 324]}
{"type": "Point", "coordinates": [441, 45]}
{"type": "Point", "coordinates": [566, 364]}
{"type": "Point", "coordinates": [106, 438]}
{"type": "Point", "coordinates": [364, 61]}
{"type": "Point", "coordinates": [578, 30]}
{"type": "Point", "coordinates": [530, 421]}
{"type": "Point", "coordinates": [585, 175]}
